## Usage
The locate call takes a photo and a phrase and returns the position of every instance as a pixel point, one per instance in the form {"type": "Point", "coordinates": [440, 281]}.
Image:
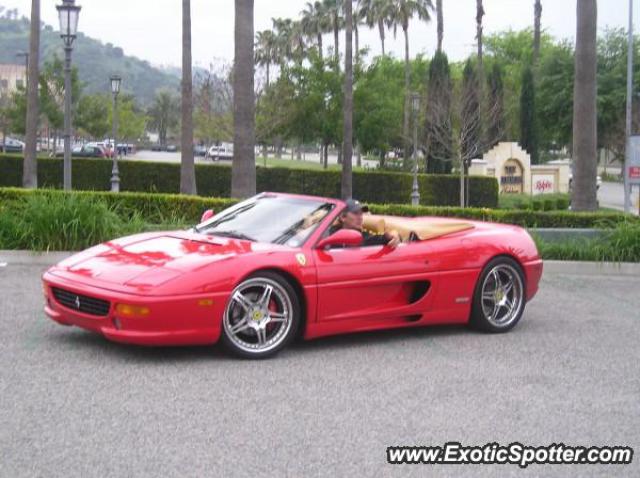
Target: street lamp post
{"type": "Point", "coordinates": [627, 158]}
{"type": "Point", "coordinates": [68, 14]}
{"type": "Point", "coordinates": [415, 190]}
{"type": "Point", "coordinates": [115, 176]}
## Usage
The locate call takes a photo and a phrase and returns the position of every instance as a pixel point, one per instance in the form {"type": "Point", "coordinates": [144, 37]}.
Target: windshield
{"type": "Point", "coordinates": [269, 218]}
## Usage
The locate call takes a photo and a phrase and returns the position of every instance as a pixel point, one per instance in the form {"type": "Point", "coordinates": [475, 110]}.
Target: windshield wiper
{"type": "Point", "coordinates": [236, 234]}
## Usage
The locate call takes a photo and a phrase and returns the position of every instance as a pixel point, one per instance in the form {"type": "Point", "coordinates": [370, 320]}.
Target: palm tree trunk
{"type": "Point", "coordinates": [187, 166]}
{"type": "Point", "coordinates": [336, 37]}
{"type": "Point", "coordinates": [320, 46]}
{"type": "Point", "coordinates": [584, 109]}
{"type": "Point", "coordinates": [268, 64]}
{"type": "Point", "coordinates": [325, 163]}
{"type": "Point", "coordinates": [381, 31]}
{"type": "Point", "coordinates": [479, 15]}
{"type": "Point", "coordinates": [357, 39]}
{"type": "Point", "coordinates": [347, 180]}
{"type": "Point", "coordinates": [30, 164]}
{"type": "Point", "coordinates": [440, 23]}
{"type": "Point", "coordinates": [243, 173]}
{"type": "Point", "coordinates": [536, 31]}
{"type": "Point", "coordinates": [481, 80]}
{"type": "Point", "coordinates": [407, 96]}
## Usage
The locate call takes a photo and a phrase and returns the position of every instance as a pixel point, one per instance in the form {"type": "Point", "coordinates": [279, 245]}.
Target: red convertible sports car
{"type": "Point", "coordinates": [269, 268]}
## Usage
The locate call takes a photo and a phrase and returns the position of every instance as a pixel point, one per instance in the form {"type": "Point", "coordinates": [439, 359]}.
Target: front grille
{"type": "Point", "coordinates": [81, 303]}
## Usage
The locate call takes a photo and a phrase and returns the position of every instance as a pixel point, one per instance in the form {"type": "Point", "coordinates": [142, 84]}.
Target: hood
{"type": "Point", "coordinates": [153, 259]}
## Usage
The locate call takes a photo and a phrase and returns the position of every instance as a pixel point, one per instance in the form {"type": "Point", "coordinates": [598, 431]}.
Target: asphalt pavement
{"type": "Point", "coordinates": [611, 195]}
{"type": "Point", "coordinates": [75, 405]}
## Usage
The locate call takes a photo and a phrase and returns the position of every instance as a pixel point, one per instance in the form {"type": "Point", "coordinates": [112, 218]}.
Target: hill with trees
{"type": "Point", "coordinates": [95, 61]}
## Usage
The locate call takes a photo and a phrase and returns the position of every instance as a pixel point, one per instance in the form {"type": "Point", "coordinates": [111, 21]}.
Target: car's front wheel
{"type": "Point", "coordinates": [261, 317]}
{"type": "Point", "coordinates": [499, 298]}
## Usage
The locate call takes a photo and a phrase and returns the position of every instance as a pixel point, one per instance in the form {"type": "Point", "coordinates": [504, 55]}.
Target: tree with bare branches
{"type": "Point", "coordinates": [466, 141]}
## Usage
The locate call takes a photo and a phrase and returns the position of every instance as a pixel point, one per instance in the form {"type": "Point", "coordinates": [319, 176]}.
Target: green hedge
{"type": "Point", "coordinates": [215, 181]}
{"type": "Point", "coordinates": [172, 208]}
{"type": "Point", "coordinates": [544, 202]}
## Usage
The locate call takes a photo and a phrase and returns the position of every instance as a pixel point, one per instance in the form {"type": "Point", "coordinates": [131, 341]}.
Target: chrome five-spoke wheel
{"type": "Point", "coordinates": [500, 296]}
{"type": "Point", "coordinates": [261, 316]}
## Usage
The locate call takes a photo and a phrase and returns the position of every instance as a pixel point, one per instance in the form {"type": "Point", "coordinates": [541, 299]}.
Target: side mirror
{"type": "Point", "coordinates": [208, 214]}
{"type": "Point", "coordinates": [343, 237]}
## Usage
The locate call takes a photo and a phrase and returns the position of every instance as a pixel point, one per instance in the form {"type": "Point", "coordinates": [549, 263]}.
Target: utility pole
{"type": "Point", "coordinates": [627, 158]}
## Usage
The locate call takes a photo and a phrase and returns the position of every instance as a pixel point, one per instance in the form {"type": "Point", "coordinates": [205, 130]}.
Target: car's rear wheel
{"type": "Point", "coordinates": [499, 298]}
{"type": "Point", "coordinates": [261, 317]}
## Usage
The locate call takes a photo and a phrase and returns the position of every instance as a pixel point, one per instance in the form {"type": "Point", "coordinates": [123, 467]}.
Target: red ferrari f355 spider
{"type": "Point", "coordinates": [269, 268]}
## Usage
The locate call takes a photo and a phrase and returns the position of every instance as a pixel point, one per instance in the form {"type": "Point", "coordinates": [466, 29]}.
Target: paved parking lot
{"type": "Point", "coordinates": [73, 404]}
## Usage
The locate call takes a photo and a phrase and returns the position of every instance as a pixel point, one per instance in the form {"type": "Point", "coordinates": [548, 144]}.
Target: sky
{"type": "Point", "coordinates": [150, 29]}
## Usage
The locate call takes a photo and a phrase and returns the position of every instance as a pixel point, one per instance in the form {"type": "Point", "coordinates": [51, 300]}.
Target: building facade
{"type": "Point", "coordinates": [12, 77]}
{"type": "Point", "coordinates": [511, 166]}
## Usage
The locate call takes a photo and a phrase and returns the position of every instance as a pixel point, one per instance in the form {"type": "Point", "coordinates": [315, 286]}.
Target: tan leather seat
{"type": "Point", "coordinates": [422, 228]}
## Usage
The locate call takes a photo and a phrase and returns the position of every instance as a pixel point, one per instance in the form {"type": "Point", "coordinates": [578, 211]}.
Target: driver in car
{"type": "Point", "coordinates": [351, 218]}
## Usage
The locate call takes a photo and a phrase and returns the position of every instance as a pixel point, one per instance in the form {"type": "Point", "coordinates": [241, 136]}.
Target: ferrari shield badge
{"type": "Point", "coordinates": [302, 260]}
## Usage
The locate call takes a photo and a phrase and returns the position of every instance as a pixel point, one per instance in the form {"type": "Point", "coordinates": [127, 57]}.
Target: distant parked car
{"type": "Point", "coordinates": [87, 151]}
{"type": "Point", "coordinates": [126, 149]}
{"type": "Point", "coordinates": [172, 148]}
{"type": "Point", "coordinates": [199, 150]}
{"type": "Point", "coordinates": [12, 145]}
{"type": "Point", "coordinates": [224, 151]}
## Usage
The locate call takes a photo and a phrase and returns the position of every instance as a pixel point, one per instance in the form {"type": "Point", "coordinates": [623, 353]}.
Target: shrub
{"type": "Point", "coordinates": [546, 202]}
{"type": "Point", "coordinates": [64, 222]}
{"type": "Point", "coordinates": [621, 244]}
{"type": "Point", "coordinates": [215, 181]}
{"type": "Point", "coordinates": [180, 209]}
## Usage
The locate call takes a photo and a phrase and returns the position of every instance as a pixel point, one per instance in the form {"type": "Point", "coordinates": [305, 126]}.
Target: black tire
{"type": "Point", "coordinates": [256, 316]}
{"type": "Point", "coordinates": [487, 297]}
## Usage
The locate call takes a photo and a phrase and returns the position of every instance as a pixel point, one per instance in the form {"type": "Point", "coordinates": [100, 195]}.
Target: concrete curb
{"type": "Point", "coordinates": [32, 258]}
{"type": "Point", "coordinates": [553, 267]}
{"type": "Point", "coordinates": [592, 268]}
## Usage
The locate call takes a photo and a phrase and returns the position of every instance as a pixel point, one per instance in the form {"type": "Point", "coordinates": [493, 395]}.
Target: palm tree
{"type": "Point", "coordinates": [371, 12]}
{"type": "Point", "coordinates": [355, 21]}
{"type": "Point", "coordinates": [243, 171]}
{"type": "Point", "coordinates": [584, 109]}
{"type": "Point", "coordinates": [399, 12]}
{"type": "Point", "coordinates": [266, 50]}
{"type": "Point", "coordinates": [537, 9]}
{"type": "Point", "coordinates": [347, 189]}
{"type": "Point", "coordinates": [440, 23]}
{"type": "Point", "coordinates": [283, 31]}
{"type": "Point", "coordinates": [187, 167]}
{"type": "Point", "coordinates": [480, 71]}
{"type": "Point", "coordinates": [314, 23]}
{"type": "Point", "coordinates": [332, 8]}
{"type": "Point", "coordinates": [297, 41]}
{"type": "Point", "coordinates": [479, 15]}
{"type": "Point", "coordinates": [30, 164]}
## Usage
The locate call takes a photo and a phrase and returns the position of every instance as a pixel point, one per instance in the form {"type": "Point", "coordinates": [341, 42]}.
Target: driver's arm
{"type": "Point", "coordinates": [393, 238]}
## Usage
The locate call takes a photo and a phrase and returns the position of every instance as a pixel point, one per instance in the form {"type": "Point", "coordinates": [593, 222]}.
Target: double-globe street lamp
{"type": "Point", "coordinates": [68, 14]}
{"type": "Point", "coordinates": [115, 175]}
{"type": "Point", "coordinates": [415, 107]}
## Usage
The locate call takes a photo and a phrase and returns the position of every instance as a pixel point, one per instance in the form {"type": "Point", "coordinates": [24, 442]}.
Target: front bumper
{"type": "Point", "coordinates": [533, 274]}
{"type": "Point", "coordinates": [172, 320]}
